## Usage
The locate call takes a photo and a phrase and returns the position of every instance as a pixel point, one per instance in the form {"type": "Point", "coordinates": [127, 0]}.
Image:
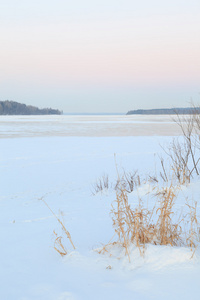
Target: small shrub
{"type": "Point", "coordinates": [129, 181]}
{"type": "Point", "coordinates": [190, 130]}
{"type": "Point", "coordinates": [101, 184]}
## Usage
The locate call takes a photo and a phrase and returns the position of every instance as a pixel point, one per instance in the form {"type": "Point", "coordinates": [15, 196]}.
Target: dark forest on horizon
{"type": "Point", "coordinates": [14, 108]}
{"type": "Point", "coordinates": [165, 111]}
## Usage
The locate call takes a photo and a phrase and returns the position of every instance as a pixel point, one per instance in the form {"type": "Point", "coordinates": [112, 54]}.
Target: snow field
{"type": "Point", "coordinates": [62, 169]}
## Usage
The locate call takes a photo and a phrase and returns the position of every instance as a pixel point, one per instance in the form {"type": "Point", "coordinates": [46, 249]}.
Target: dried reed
{"type": "Point", "coordinates": [58, 246]}
{"type": "Point", "coordinates": [140, 226]}
{"type": "Point", "coordinates": [167, 232]}
{"type": "Point", "coordinates": [193, 232]}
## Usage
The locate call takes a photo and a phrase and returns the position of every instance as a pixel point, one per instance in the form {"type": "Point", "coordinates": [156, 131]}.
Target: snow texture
{"type": "Point", "coordinates": [62, 169]}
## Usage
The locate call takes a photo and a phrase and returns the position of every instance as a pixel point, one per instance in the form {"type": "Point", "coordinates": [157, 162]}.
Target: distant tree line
{"type": "Point", "coordinates": [165, 111]}
{"type": "Point", "coordinates": [14, 108]}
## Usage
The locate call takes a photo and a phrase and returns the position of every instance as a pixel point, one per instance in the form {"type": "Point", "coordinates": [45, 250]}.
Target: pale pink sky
{"type": "Point", "coordinates": [109, 59]}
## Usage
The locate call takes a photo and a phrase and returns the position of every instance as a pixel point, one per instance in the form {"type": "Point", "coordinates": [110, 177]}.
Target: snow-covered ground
{"type": "Point", "coordinates": [44, 161]}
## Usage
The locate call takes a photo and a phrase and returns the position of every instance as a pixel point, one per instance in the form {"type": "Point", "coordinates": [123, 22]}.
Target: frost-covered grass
{"type": "Point", "coordinates": [62, 170]}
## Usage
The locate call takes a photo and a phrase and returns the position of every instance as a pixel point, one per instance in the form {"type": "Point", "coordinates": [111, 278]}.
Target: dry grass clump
{"type": "Point", "coordinates": [159, 225]}
{"type": "Point", "coordinates": [131, 226]}
{"type": "Point", "coordinates": [167, 231]}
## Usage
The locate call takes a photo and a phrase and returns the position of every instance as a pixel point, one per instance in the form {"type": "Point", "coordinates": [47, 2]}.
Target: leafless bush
{"type": "Point", "coordinates": [163, 173]}
{"type": "Point", "coordinates": [152, 179]}
{"type": "Point", "coordinates": [101, 184]}
{"type": "Point", "coordinates": [128, 181]}
{"type": "Point", "coordinates": [196, 116]}
{"type": "Point", "coordinates": [179, 155]}
{"type": "Point", "coordinates": [190, 126]}
{"type": "Point", "coordinates": [184, 155]}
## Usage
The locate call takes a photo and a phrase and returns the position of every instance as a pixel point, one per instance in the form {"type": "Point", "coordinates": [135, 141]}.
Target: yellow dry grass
{"type": "Point", "coordinates": [58, 245]}
{"type": "Point", "coordinates": [141, 226]}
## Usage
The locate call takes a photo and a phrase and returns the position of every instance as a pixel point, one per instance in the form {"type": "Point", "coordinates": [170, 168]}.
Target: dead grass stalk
{"type": "Point", "coordinates": [58, 245]}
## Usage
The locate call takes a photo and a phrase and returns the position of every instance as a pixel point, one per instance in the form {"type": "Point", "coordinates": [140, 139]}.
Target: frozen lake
{"type": "Point", "coordinates": [84, 125]}
{"type": "Point", "coordinates": [59, 159]}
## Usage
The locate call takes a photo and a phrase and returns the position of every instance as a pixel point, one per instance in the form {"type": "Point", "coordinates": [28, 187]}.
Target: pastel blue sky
{"type": "Point", "coordinates": [100, 56]}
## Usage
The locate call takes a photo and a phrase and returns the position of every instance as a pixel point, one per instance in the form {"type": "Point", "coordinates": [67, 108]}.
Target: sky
{"type": "Point", "coordinates": [100, 56]}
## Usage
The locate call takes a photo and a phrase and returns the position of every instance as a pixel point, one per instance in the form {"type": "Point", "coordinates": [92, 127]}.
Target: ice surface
{"type": "Point", "coordinates": [64, 125]}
